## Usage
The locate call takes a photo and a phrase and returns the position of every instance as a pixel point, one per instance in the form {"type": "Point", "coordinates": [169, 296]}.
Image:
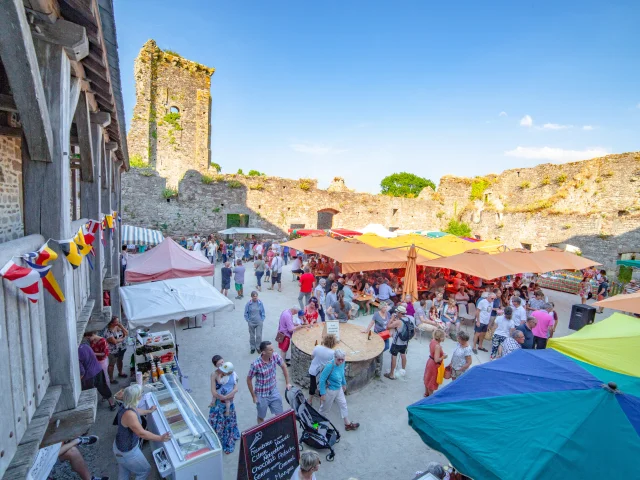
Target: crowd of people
{"type": "Point", "coordinates": [509, 313]}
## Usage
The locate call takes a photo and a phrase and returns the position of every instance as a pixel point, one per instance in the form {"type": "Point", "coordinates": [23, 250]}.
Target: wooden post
{"type": "Point", "coordinates": [47, 192]}
{"type": "Point", "coordinates": [107, 165]}
{"type": "Point", "coordinates": [91, 200]}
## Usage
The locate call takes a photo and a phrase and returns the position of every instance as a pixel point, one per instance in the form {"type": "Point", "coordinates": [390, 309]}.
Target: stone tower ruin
{"type": "Point", "coordinates": [171, 127]}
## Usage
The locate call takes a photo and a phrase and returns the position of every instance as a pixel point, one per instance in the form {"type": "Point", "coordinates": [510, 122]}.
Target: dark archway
{"type": "Point", "coordinates": [325, 218]}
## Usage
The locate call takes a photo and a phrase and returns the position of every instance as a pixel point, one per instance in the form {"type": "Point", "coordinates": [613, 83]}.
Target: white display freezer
{"type": "Point", "coordinates": [194, 451]}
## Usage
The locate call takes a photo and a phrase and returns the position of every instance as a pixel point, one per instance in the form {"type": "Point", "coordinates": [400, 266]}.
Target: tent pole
{"type": "Point", "coordinates": [175, 338]}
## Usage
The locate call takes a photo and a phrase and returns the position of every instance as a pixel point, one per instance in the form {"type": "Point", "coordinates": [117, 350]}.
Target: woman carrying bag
{"type": "Point", "coordinates": [332, 385]}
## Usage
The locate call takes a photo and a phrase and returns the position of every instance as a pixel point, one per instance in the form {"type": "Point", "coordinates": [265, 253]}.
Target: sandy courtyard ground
{"type": "Point", "coordinates": [384, 447]}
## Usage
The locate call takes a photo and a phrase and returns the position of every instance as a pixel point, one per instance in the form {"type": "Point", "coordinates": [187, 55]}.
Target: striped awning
{"type": "Point", "coordinates": [140, 236]}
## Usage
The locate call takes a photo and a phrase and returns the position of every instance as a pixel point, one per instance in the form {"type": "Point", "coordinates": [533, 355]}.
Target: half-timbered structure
{"type": "Point", "coordinates": [62, 150]}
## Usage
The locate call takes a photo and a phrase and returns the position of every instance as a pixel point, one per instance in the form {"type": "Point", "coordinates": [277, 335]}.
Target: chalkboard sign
{"type": "Point", "coordinates": [270, 451]}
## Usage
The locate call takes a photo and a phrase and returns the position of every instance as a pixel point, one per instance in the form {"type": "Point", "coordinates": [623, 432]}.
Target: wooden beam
{"type": "Point", "coordinates": [74, 95]}
{"type": "Point", "coordinates": [111, 146]}
{"type": "Point", "coordinates": [69, 424]}
{"type": "Point", "coordinates": [21, 65]}
{"type": "Point", "coordinates": [10, 131]}
{"type": "Point", "coordinates": [83, 318]}
{"type": "Point", "coordinates": [7, 104]}
{"type": "Point", "coordinates": [30, 443]}
{"type": "Point", "coordinates": [101, 118]}
{"type": "Point", "coordinates": [97, 69]}
{"type": "Point", "coordinates": [84, 138]}
{"type": "Point", "coordinates": [90, 207]}
{"type": "Point", "coordinates": [45, 10]}
{"type": "Point", "coordinates": [47, 197]}
{"type": "Point", "coordinates": [71, 36]}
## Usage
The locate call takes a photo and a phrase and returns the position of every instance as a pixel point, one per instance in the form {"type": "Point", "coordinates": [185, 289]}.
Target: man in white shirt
{"type": "Point", "coordinates": [276, 272]}
{"type": "Point", "coordinates": [257, 249]}
{"type": "Point", "coordinates": [519, 312]}
{"type": "Point", "coordinates": [483, 315]}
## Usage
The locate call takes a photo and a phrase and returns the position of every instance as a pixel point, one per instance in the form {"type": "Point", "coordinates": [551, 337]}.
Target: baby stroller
{"type": "Point", "coordinates": [317, 431]}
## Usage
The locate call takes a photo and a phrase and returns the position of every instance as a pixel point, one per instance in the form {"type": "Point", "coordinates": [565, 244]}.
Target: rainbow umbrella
{"type": "Point", "coordinates": [535, 414]}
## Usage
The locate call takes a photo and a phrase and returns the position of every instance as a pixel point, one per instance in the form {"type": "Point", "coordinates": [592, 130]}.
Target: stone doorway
{"type": "Point", "coordinates": [325, 218]}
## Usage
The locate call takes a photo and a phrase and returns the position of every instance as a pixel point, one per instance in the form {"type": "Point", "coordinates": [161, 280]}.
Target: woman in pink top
{"type": "Point", "coordinates": [544, 329]}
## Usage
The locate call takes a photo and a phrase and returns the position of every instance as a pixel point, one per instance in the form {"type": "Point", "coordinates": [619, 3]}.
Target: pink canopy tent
{"type": "Point", "coordinates": [167, 260]}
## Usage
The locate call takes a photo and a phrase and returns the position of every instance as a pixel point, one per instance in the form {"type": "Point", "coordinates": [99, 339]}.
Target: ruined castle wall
{"type": "Point", "coordinates": [593, 204]}
{"type": "Point", "coordinates": [170, 128]}
{"type": "Point", "coordinates": [274, 204]}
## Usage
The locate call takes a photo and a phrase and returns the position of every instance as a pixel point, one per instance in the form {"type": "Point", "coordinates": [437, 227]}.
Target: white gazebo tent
{"type": "Point", "coordinates": [160, 302]}
{"type": "Point", "coordinates": [245, 231]}
{"type": "Point", "coordinates": [379, 230]}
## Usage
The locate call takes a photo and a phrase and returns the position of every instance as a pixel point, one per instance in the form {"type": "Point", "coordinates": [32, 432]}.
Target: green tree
{"type": "Point", "coordinates": [459, 229]}
{"type": "Point", "coordinates": [404, 184]}
{"type": "Point", "coordinates": [255, 173]}
{"type": "Point", "coordinates": [216, 166]}
{"type": "Point", "coordinates": [240, 172]}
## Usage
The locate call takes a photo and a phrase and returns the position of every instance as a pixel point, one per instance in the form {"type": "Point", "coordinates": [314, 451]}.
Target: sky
{"type": "Point", "coordinates": [364, 89]}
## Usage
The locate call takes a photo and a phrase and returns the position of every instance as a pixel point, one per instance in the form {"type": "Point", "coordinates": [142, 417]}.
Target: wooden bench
{"type": "Point", "coordinates": [30, 442]}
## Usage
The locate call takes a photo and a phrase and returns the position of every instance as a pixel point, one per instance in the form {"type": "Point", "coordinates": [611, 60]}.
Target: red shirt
{"type": "Point", "coordinates": [101, 346]}
{"type": "Point", "coordinates": [306, 282]}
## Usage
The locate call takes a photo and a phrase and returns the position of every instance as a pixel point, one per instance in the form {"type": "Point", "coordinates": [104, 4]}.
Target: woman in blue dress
{"type": "Point", "coordinates": [222, 411]}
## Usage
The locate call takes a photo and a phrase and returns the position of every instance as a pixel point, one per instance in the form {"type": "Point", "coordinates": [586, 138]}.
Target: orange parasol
{"type": "Point", "coordinates": [474, 262]}
{"type": "Point", "coordinates": [410, 285]}
{"type": "Point", "coordinates": [629, 302]}
{"type": "Point", "coordinates": [556, 259]}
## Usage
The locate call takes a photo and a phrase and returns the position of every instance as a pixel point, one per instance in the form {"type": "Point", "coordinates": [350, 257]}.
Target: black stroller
{"type": "Point", "coordinates": [317, 431]}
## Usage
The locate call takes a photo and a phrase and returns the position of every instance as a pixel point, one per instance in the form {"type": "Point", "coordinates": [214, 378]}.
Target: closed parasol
{"type": "Point", "coordinates": [410, 285]}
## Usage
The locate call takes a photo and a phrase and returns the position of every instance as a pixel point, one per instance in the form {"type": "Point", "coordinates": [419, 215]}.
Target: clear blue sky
{"type": "Point", "coordinates": [362, 89]}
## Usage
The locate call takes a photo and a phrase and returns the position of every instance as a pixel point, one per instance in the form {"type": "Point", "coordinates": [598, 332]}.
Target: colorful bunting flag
{"type": "Point", "coordinates": [80, 241]}
{"type": "Point", "coordinates": [70, 250]}
{"type": "Point", "coordinates": [109, 219]}
{"type": "Point", "coordinates": [41, 262]}
{"type": "Point", "coordinates": [90, 229]}
{"type": "Point", "coordinates": [26, 279]}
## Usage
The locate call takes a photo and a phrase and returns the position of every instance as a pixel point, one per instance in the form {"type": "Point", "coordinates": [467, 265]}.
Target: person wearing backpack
{"type": "Point", "coordinates": [405, 329]}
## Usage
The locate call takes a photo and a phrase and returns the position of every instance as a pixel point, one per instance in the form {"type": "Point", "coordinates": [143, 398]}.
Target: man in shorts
{"type": "Point", "coordinates": [226, 278]}
{"type": "Point", "coordinates": [398, 346]}
{"type": "Point", "coordinates": [266, 395]}
{"type": "Point", "coordinates": [483, 316]}
{"type": "Point", "coordinates": [276, 272]}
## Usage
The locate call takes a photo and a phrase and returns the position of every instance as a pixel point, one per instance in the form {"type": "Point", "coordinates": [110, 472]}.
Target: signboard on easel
{"type": "Point", "coordinates": [331, 327]}
{"type": "Point", "coordinates": [270, 450]}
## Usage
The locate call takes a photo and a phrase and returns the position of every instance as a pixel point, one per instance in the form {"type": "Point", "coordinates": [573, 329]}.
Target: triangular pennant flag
{"type": "Point", "coordinates": [103, 226]}
{"type": "Point", "coordinates": [26, 279]}
{"type": "Point", "coordinates": [79, 240]}
{"type": "Point", "coordinates": [41, 260]}
{"type": "Point", "coordinates": [70, 250]}
{"type": "Point", "coordinates": [109, 219]}
{"type": "Point", "coordinates": [90, 229]}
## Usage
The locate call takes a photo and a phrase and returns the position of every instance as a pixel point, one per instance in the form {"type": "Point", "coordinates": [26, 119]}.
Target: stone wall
{"type": "Point", "coordinates": [272, 203]}
{"type": "Point", "coordinates": [170, 127]}
{"type": "Point", "coordinates": [593, 204]}
{"type": "Point", "coordinates": [11, 225]}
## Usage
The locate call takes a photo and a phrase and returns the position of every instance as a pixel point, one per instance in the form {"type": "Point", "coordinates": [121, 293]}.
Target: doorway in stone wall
{"type": "Point", "coordinates": [325, 218]}
{"type": "Point", "coordinates": [237, 220]}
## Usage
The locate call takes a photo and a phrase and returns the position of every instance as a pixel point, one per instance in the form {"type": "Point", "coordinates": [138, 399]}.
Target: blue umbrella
{"type": "Point", "coordinates": [535, 414]}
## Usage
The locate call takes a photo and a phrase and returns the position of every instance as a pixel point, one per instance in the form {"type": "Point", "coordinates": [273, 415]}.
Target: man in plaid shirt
{"type": "Point", "coordinates": [266, 395]}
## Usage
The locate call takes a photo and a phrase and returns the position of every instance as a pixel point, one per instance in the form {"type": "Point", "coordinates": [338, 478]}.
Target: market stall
{"type": "Point", "coordinates": [564, 281]}
{"type": "Point", "coordinates": [167, 260]}
{"type": "Point", "coordinates": [194, 449]}
{"type": "Point", "coordinates": [140, 236]}
{"type": "Point", "coordinates": [147, 304]}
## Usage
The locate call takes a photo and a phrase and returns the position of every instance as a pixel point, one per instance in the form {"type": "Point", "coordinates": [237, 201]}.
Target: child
{"type": "Point", "coordinates": [225, 383]}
